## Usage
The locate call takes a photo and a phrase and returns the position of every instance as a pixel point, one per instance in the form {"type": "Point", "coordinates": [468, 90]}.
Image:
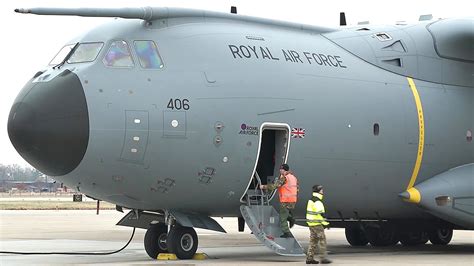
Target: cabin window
{"type": "Point", "coordinates": [469, 135]}
{"type": "Point", "coordinates": [118, 55]}
{"type": "Point", "coordinates": [85, 52]}
{"type": "Point", "coordinates": [376, 129]}
{"type": "Point", "coordinates": [148, 55]}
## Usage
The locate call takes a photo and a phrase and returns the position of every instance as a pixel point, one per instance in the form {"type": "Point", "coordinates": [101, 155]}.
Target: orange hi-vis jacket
{"type": "Point", "coordinates": [289, 191]}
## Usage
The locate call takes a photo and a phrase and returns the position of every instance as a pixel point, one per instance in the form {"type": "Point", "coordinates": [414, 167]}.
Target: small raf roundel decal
{"type": "Point", "coordinates": [248, 130]}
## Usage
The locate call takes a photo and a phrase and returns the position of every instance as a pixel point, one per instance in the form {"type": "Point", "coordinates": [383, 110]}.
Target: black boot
{"type": "Point", "coordinates": [312, 261]}
{"type": "Point", "coordinates": [292, 222]}
{"type": "Point", "coordinates": [326, 261]}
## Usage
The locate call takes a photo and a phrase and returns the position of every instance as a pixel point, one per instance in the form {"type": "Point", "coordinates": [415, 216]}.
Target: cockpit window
{"type": "Point", "coordinates": [118, 55]}
{"type": "Point", "coordinates": [85, 52]}
{"type": "Point", "coordinates": [59, 58]}
{"type": "Point", "coordinates": [148, 54]}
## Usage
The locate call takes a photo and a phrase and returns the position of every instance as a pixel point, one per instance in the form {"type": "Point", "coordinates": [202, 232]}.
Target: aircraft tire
{"type": "Point", "coordinates": [155, 240]}
{"type": "Point", "coordinates": [414, 238]}
{"type": "Point", "coordinates": [382, 237]}
{"type": "Point", "coordinates": [182, 241]}
{"type": "Point", "coordinates": [356, 237]}
{"type": "Point", "coordinates": [441, 236]}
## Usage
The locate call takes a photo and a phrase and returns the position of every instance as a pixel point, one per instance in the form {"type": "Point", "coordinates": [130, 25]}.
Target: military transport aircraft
{"type": "Point", "coordinates": [179, 115]}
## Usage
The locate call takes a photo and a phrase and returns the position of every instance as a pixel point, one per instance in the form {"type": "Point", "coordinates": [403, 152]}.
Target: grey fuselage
{"type": "Point", "coordinates": [236, 73]}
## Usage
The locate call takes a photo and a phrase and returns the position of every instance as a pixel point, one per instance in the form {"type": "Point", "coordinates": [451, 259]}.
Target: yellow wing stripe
{"type": "Point", "coordinates": [421, 141]}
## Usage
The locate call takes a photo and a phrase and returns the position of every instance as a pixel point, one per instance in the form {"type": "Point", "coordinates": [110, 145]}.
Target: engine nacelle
{"type": "Point", "coordinates": [449, 195]}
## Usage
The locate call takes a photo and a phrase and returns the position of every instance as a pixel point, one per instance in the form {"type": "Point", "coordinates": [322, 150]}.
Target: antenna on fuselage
{"type": "Point", "coordinates": [342, 19]}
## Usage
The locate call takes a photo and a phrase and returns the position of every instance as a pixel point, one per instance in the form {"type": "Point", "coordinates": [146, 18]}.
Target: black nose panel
{"type": "Point", "coordinates": [49, 124]}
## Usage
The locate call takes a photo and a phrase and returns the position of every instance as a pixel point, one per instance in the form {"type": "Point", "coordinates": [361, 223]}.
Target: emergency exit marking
{"type": "Point", "coordinates": [134, 150]}
{"type": "Point", "coordinates": [174, 123]}
{"type": "Point", "coordinates": [136, 138]}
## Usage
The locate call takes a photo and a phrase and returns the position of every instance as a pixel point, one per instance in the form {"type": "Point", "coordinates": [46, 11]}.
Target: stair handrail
{"type": "Point", "coordinates": [264, 197]}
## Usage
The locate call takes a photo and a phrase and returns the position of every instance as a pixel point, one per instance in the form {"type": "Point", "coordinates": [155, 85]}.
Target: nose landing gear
{"type": "Point", "coordinates": [180, 240]}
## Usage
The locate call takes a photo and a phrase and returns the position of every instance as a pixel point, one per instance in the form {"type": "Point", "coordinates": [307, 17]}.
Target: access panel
{"type": "Point", "coordinates": [174, 124]}
{"type": "Point", "coordinates": [136, 136]}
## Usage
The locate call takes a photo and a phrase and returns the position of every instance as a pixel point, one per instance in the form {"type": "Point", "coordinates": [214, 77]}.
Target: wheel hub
{"type": "Point", "coordinates": [187, 242]}
{"type": "Point", "coordinates": [443, 233]}
{"type": "Point", "coordinates": [162, 241]}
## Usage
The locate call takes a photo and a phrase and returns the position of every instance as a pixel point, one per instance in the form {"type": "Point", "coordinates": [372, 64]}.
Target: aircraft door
{"type": "Point", "coordinates": [273, 151]}
{"type": "Point", "coordinates": [261, 217]}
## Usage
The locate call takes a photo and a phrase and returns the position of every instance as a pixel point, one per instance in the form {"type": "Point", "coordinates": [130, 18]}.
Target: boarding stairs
{"type": "Point", "coordinates": [264, 222]}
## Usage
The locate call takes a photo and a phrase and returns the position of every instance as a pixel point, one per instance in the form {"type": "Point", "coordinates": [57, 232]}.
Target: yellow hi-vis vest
{"type": "Point", "coordinates": [314, 211]}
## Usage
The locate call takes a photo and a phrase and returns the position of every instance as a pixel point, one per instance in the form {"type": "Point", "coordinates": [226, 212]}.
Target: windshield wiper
{"type": "Point", "coordinates": [67, 57]}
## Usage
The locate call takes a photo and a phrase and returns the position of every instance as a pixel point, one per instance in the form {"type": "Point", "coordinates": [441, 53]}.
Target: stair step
{"type": "Point", "coordinates": [264, 222]}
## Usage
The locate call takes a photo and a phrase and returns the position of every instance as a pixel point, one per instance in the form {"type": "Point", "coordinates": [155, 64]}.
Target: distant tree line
{"type": "Point", "coordinates": [15, 172]}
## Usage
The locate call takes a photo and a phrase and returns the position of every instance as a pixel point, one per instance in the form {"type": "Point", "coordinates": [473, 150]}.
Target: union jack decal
{"type": "Point", "coordinates": [298, 133]}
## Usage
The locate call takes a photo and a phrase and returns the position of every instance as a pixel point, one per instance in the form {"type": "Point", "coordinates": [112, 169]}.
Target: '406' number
{"type": "Point", "coordinates": [178, 104]}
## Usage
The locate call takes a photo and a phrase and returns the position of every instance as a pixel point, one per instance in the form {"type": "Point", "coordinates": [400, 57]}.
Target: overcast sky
{"type": "Point", "coordinates": [29, 42]}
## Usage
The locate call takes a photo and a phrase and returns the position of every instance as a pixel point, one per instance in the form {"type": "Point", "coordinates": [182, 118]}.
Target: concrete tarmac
{"type": "Point", "coordinates": [84, 231]}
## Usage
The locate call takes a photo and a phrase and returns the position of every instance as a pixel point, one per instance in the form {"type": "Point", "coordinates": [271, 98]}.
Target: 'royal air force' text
{"type": "Point", "coordinates": [264, 53]}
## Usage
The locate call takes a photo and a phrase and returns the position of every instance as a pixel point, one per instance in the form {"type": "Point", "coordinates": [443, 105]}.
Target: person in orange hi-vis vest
{"type": "Point", "coordinates": [287, 185]}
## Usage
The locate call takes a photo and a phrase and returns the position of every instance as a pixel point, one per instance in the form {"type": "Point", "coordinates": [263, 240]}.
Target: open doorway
{"type": "Point", "coordinates": [273, 151]}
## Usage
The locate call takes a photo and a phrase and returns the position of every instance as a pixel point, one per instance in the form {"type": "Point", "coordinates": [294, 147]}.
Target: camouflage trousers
{"type": "Point", "coordinates": [317, 242]}
{"type": "Point", "coordinates": [286, 215]}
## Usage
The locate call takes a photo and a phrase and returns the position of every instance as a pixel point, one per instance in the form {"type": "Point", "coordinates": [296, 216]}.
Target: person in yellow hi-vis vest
{"type": "Point", "coordinates": [316, 222]}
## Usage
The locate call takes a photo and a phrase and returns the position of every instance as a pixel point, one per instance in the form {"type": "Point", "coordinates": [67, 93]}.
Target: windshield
{"type": "Point", "coordinates": [62, 54]}
{"type": "Point", "coordinates": [118, 55]}
{"type": "Point", "coordinates": [84, 52]}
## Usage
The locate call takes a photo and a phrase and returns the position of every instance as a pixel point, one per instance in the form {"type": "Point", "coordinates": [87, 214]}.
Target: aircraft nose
{"type": "Point", "coordinates": [49, 124]}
